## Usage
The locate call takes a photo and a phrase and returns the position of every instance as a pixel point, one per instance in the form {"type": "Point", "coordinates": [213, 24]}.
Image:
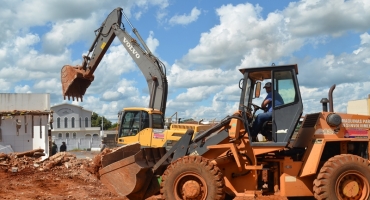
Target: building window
{"type": "Point", "coordinates": [60, 135]}
{"type": "Point", "coordinates": [65, 122]}
{"type": "Point", "coordinates": [73, 122]}
{"type": "Point", "coordinates": [74, 135]}
{"type": "Point", "coordinates": [67, 135]}
{"type": "Point", "coordinates": [80, 122]}
{"type": "Point", "coordinates": [86, 122]}
{"type": "Point", "coordinates": [87, 136]}
{"type": "Point", "coordinates": [58, 122]}
{"type": "Point", "coordinates": [95, 136]}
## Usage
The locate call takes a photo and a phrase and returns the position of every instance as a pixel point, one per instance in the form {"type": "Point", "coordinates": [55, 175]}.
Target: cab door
{"type": "Point", "coordinates": [286, 116]}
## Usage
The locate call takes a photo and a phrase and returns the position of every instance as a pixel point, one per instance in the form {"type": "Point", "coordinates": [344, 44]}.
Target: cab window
{"type": "Point", "coordinates": [284, 86]}
{"type": "Point", "coordinates": [144, 120]}
{"type": "Point", "coordinates": [158, 121]}
{"type": "Point", "coordinates": [130, 123]}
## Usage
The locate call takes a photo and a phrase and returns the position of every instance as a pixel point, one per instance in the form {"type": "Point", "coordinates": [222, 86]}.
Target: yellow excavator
{"type": "Point", "coordinates": [136, 124]}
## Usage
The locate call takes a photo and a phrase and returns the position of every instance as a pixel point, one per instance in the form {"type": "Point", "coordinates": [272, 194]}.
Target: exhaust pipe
{"type": "Point", "coordinates": [325, 101]}
{"type": "Point", "coordinates": [331, 109]}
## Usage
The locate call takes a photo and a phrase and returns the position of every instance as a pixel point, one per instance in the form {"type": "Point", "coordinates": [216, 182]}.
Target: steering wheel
{"type": "Point", "coordinates": [255, 107]}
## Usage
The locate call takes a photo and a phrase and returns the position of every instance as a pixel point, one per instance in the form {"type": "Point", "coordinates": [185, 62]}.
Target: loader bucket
{"type": "Point", "coordinates": [128, 171]}
{"type": "Point", "coordinates": [75, 81]}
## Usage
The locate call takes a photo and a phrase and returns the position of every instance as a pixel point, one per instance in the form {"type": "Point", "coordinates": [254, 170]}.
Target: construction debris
{"type": "Point", "coordinates": [62, 176]}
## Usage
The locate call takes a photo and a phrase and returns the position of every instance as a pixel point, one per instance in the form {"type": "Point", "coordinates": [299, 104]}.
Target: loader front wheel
{"type": "Point", "coordinates": [344, 177]}
{"type": "Point", "coordinates": [192, 177]}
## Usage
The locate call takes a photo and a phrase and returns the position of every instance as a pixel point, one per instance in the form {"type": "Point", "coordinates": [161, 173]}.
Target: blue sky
{"type": "Point", "coordinates": [202, 43]}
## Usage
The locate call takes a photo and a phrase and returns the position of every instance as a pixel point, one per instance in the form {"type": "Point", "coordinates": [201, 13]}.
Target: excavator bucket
{"type": "Point", "coordinates": [128, 171]}
{"type": "Point", "coordinates": [75, 81]}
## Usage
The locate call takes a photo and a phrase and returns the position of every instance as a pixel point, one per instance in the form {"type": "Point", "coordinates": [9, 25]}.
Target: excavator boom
{"type": "Point", "coordinates": [76, 79]}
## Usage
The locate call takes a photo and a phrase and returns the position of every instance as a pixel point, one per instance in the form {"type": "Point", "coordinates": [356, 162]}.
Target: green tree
{"type": "Point", "coordinates": [114, 126]}
{"type": "Point", "coordinates": [96, 121]}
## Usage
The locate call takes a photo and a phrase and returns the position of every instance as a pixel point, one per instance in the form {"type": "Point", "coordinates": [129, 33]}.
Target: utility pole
{"type": "Point", "coordinates": [102, 127]}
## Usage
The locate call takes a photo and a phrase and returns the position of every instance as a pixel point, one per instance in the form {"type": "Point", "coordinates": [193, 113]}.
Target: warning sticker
{"type": "Point", "coordinates": [353, 133]}
{"type": "Point", "coordinates": [158, 134]}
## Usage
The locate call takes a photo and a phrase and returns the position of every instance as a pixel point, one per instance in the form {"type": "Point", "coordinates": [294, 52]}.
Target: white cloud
{"type": "Point", "coordinates": [365, 38]}
{"type": "Point", "coordinates": [47, 85]}
{"type": "Point", "coordinates": [152, 43]}
{"type": "Point", "coordinates": [331, 69]}
{"type": "Point", "coordinates": [111, 95]}
{"type": "Point", "coordinates": [185, 19]}
{"type": "Point", "coordinates": [197, 94]}
{"type": "Point", "coordinates": [312, 18]}
{"type": "Point", "coordinates": [242, 38]}
{"type": "Point", "coordinates": [65, 33]}
{"type": "Point", "coordinates": [19, 16]}
{"type": "Point", "coordinates": [22, 89]}
{"type": "Point", "coordinates": [5, 86]}
{"type": "Point", "coordinates": [184, 78]}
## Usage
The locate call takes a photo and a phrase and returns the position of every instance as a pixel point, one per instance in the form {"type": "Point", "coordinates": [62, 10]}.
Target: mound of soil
{"type": "Point", "coordinates": [62, 176]}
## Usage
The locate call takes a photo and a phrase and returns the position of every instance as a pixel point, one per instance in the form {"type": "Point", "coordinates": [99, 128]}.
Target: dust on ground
{"type": "Point", "coordinates": [24, 176]}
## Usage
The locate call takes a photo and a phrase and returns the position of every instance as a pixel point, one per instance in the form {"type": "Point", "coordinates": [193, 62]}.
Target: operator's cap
{"type": "Point", "coordinates": [267, 85]}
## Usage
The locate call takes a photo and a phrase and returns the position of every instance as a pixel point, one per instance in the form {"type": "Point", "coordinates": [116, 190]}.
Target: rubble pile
{"type": "Point", "coordinates": [62, 176]}
{"type": "Point", "coordinates": [15, 162]}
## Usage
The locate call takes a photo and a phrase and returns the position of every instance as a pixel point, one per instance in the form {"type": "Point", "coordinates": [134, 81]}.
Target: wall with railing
{"type": "Point", "coordinates": [79, 143]}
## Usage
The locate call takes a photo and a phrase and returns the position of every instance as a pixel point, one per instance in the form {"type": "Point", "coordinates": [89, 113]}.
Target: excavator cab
{"type": "Point", "coordinates": [137, 123]}
{"type": "Point", "coordinates": [285, 116]}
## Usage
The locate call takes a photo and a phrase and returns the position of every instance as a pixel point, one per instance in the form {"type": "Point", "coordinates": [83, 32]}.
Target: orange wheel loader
{"type": "Point", "coordinates": [328, 158]}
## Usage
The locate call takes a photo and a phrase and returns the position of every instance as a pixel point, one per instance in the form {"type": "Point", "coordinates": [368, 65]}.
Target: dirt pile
{"type": "Point", "coordinates": [62, 176]}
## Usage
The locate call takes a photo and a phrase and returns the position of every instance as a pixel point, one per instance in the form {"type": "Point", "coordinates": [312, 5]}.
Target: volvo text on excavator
{"type": "Point", "coordinates": [328, 158]}
{"type": "Point", "coordinates": [136, 124]}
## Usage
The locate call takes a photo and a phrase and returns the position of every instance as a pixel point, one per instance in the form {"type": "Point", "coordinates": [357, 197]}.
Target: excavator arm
{"type": "Point", "coordinates": [76, 79]}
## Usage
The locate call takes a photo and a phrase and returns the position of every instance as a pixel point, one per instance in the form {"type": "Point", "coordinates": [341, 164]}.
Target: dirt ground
{"type": "Point", "coordinates": [24, 176]}
{"type": "Point", "coordinates": [61, 176]}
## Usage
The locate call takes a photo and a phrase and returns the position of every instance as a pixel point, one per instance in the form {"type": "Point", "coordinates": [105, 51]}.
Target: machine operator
{"type": "Point", "coordinates": [267, 107]}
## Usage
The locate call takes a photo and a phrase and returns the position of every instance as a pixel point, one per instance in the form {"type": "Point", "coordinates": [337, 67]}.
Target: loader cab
{"type": "Point", "coordinates": [285, 115]}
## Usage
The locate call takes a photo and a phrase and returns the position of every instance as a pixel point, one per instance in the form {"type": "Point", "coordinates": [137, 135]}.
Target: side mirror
{"type": "Point", "coordinates": [257, 91]}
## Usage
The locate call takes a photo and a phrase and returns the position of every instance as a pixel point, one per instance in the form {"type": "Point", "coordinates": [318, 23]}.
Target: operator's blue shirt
{"type": "Point", "coordinates": [278, 100]}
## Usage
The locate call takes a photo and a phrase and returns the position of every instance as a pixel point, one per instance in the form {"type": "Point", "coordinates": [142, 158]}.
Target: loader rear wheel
{"type": "Point", "coordinates": [192, 177]}
{"type": "Point", "coordinates": [344, 177]}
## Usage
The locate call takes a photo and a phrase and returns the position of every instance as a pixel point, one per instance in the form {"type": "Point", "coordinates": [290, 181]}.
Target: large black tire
{"type": "Point", "coordinates": [343, 176]}
{"type": "Point", "coordinates": [192, 177]}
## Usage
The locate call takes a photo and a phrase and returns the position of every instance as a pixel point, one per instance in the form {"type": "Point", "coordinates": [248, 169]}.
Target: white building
{"type": "Point", "coordinates": [72, 124]}
{"type": "Point", "coordinates": [24, 122]}
{"type": "Point", "coordinates": [361, 107]}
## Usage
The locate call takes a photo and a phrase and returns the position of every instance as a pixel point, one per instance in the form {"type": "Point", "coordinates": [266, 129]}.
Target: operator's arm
{"type": "Point", "coordinates": [265, 103]}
